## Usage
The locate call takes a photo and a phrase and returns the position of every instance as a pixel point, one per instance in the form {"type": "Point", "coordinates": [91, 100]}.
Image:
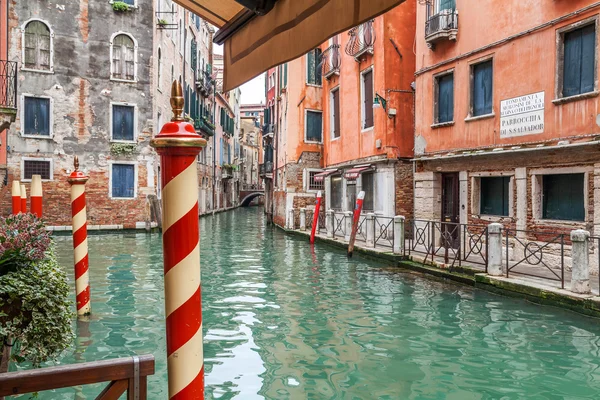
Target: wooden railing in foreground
{"type": "Point", "coordinates": [124, 374]}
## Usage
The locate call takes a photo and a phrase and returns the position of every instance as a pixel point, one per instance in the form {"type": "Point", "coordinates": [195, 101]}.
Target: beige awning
{"type": "Point", "coordinates": [288, 31]}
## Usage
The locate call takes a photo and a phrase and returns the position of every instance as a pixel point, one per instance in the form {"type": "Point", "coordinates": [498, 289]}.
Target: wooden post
{"type": "Point", "coordinates": [316, 217]}
{"type": "Point", "coordinates": [16, 197]}
{"type": "Point", "coordinates": [178, 145]}
{"type": "Point", "coordinates": [23, 198]}
{"type": "Point", "coordinates": [357, 210]}
{"type": "Point", "coordinates": [36, 195]}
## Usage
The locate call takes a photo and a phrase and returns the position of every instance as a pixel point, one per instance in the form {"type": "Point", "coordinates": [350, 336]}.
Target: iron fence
{"type": "Point", "coordinates": [361, 229]}
{"type": "Point", "coordinates": [362, 39]}
{"type": "Point", "coordinates": [310, 216]}
{"type": "Point", "coordinates": [383, 231]}
{"type": "Point", "coordinates": [444, 21]}
{"type": "Point", "coordinates": [8, 84]}
{"type": "Point", "coordinates": [534, 258]}
{"type": "Point", "coordinates": [331, 60]}
{"type": "Point", "coordinates": [339, 224]}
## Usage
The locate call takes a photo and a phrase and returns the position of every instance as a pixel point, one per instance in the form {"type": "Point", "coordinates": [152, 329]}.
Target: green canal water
{"type": "Point", "coordinates": [284, 321]}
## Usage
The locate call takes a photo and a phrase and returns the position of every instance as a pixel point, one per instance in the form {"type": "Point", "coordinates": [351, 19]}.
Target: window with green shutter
{"type": "Point", "coordinates": [579, 61]}
{"type": "Point", "coordinates": [313, 67]}
{"type": "Point", "coordinates": [314, 126]}
{"type": "Point", "coordinates": [563, 197]}
{"type": "Point", "coordinates": [494, 196]}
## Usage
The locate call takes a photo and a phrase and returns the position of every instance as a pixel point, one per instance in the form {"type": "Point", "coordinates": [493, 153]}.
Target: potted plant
{"type": "Point", "coordinates": [35, 310]}
{"type": "Point", "coordinates": [120, 6]}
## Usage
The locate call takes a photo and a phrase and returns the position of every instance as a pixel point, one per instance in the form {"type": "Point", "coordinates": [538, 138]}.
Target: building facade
{"type": "Point", "coordinates": [8, 89]}
{"type": "Point", "coordinates": [507, 115]}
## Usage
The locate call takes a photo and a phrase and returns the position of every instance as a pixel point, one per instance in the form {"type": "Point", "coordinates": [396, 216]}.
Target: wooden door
{"type": "Point", "coordinates": [450, 210]}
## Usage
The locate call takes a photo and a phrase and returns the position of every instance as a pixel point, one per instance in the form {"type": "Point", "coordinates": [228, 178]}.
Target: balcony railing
{"type": "Point", "coordinates": [8, 84]}
{"type": "Point", "coordinates": [265, 169]}
{"type": "Point", "coordinates": [441, 26]}
{"type": "Point", "coordinates": [331, 61]}
{"type": "Point", "coordinates": [269, 129]}
{"type": "Point", "coordinates": [204, 83]}
{"type": "Point", "coordinates": [362, 40]}
{"type": "Point", "coordinates": [204, 126]}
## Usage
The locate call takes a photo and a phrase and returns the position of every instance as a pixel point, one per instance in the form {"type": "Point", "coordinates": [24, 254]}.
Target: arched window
{"type": "Point", "coordinates": [159, 66]}
{"type": "Point", "coordinates": [37, 49]}
{"type": "Point", "coordinates": [123, 57]}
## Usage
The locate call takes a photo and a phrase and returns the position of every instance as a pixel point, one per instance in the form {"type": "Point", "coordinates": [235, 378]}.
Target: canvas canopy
{"type": "Point", "coordinates": [253, 43]}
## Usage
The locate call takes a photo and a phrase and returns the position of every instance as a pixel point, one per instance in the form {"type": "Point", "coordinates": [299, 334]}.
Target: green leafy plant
{"type": "Point", "coordinates": [162, 22]}
{"type": "Point", "coordinates": [120, 6]}
{"type": "Point", "coordinates": [124, 149]}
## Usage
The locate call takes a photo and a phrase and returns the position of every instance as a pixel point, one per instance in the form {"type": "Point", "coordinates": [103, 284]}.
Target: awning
{"type": "Point", "coordinates": [352, 174]}
{"type": "Point", "coordinates": [253, 44]}
{"type": "Point", "coordinates": [320, 177]}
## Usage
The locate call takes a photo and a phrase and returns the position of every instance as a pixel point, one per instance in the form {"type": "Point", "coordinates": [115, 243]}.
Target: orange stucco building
{"type": "Point", "coordinates": [507, 113]}
{"type": "Point", "coordinates": [344, 120]}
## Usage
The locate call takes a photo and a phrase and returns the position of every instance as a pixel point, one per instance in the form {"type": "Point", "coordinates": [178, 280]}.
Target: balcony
{"type": "Point", "coordinates": [266, 170]}
{"type": "Point", "coordinates": [204, 127]}
{"type": "Point", "coordinates": [269, 129]}
{"type": "Point", "coordinates": [227, 171]}
{"type": "Point", "coordinates": [440, 27]}
{"type": "Point", "coordinates": [8, 93]}
{"type": "Point", "coordinates": [204, 83]}
{"type": "Point", "coordinates": [331, 61]}
{"type": "Point", "coordinates": [362, 40]}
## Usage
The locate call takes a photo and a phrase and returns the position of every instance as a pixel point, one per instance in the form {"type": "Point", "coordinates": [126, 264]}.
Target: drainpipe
{"type": "Point", "coordinates": [214, 82]}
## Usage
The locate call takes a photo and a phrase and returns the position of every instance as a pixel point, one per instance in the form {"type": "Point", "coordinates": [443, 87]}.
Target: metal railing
{"type": "Point", "coordinates": [361, 229]}
{"type": "Point", "coordinates": [8, 84]}
{"type": "Point", "coordinates": [595, 243]}
{"type": "Point", "coordinates": [204, 83]}
{"type": "Point", "coordinates": [205, 126]}
{"type": "Point", "coordinates": [453, 242]}
{"type": "Point", "coordinates": [252, 186]}
{"type": "Point", "coordinates": [533, 258]}
{"type": "Point", "coordinates": [124, 374]}
{"type": "Point", "coordinates": [331, 60]}
{"type": "Point", "coordinates": [446, 20]}
{"type": "Point", "coordinates": [383, 231]}
{"type": "Point", "coordinates": [310, 215]}
{"type": "Point", "coordinates": [339, 224]}
{"type": "Point", "coordinates": [362, 39]}
{"type": "Point", "coordinates": [265, 168]}
{"type": "Point", "coordinates": [267, 129]}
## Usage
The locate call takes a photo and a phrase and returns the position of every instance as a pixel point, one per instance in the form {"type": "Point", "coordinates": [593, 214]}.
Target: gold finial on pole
{"type": "Point", "coordinates": [76, 163]}
{"type": "Point", "coordinates": [177, 101]}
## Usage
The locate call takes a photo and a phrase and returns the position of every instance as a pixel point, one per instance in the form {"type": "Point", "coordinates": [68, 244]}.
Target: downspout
{"type": "Point", "coordinates": [214, 143]}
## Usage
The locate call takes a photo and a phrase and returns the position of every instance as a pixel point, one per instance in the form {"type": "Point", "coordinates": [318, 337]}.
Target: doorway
{"type": "Point", "coordinates": [450, 210]}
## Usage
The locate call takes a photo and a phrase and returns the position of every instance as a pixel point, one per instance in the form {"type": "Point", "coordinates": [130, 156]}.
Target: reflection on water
{"type": "Point", "coordinates": [283, 320]}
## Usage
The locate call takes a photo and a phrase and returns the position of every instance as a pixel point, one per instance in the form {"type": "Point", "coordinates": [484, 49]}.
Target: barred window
{"type": "Point", "coordinates": [123, 58]}
{"type": "Point", "coordinates": [36, 167]}
{"type": "Point", "coordinates": [312, 184]}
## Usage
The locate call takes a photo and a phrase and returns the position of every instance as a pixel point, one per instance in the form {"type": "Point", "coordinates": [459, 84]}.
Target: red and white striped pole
{"type": "Point", "coordinates": [356, 217]}
{"type": "Point", "coordinates": [23, 198]}
{"type": "Point", "coordinates": [16, 197]}
{"type": "Point", "coordinates": [178, 145]}
{"type": "Point", "coordinates": [77, 180]}
{"type": "Point", "coordinates": [316, 217]}
{"type": "Point", "coordinates": [36, 195]}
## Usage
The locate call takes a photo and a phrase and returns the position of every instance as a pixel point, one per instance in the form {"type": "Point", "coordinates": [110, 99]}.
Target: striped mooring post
{"type": "Point", "coordinates": [16, 197]}
{"type": "Point", "coordinates": [23, 198]}
{"type": "Point", "coordinates": [77, 180]}
{"type": "Point", "coordinates": [36, 195]}
{"type": "Point", "coordinates": [178, 145]}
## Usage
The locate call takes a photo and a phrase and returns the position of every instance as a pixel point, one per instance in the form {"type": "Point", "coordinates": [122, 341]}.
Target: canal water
{"type": "Point", "coordinates": [284, 321]}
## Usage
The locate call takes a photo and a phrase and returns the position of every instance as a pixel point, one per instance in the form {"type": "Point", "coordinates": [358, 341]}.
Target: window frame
{"type": "Point", "coordinates": [329, 194]}
{"type": "Point", "coordinates": [135, 57]}
{"type": "Point", "coordinates": [23, 27]}
{"type": "Point", "coordinates": [135, 179]}
{"type": "Point", "coordinates": [135, 122]}
{"type": "Point", "coordinates": [332, 114]}
{"type": "Point", "coordinates": [436, 101]}
{"type": "Point", "coordinates": [23, 159]}
{"type": "Point", "coordinates": [22, 117]}
{"type": "Point", "coordinates": [475, 180]}
{"type": "Point", "coordinates": [373, 173]}
{"type": "Point", "coordinates": [135, 2]}
{"type": "Point", "coordinates": [306, 111]}
{"type": "Point", "coordinates": [560, 59]}
{"type": "Point", "coordinates": [307, 69]}
{"type": "Point", "coordinates": [362, 99]}
{"type": "Point", "coordinates": [306, 180]}
{"type": "Point", "coordinates": [471, 116]}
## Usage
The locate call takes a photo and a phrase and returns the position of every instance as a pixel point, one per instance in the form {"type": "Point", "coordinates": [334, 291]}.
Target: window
{"type": "Point", "coordinates": [36, 167]}
{"type": "Point", "coordinates": [367, 95]}
{"type": "Point", "coordinates": [123, 58]}
{"type": "Point", "coordinates": [444, 104]}
{"type": "Point", "coordinates": [368, 186]}
{"type": "Point", "coordinates": [312, 184]}
{"type": "Point", "coordinates": [123, 181]}
{"type": "Point", "coordinates": [159, 67]}
{"type": "Point", "coordinates": [130, 2]}
{"type": "Point", "coordinates": [494, 196]}
{"type": "Point", "coordinates": [445, 5]}
{"type": "Point", "coordinates": [314, 126]}
{"type": "Point", "coordinates": [38, 46]}
{"type": "Point", "coordinates": [335, 114]}
{"type": "Point", "coordinates": [36, 116]}
{"type": "Point", "coordinates": [336, 192]}
{"type": "Point", "coordinates": [481, 88]}
{"type": "Point", "coordinates": [579, 66]}
{"type": "Point", "coordinates": [313, 70]}
{"type": "Point", "coordinates": [123, 123]}
{"type": "Point", "coordinates": [563, 197]}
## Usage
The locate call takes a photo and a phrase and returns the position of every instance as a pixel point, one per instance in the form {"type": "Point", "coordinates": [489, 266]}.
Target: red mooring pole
{"type": "Point", "coordinates": [16, 197]}
{"type": "Point", "coordinates": [316, 217]}
{"type": "Point", "coordinates": [23, 198]}
{"type": "Point", "coordinates": [77, 180]}
{"type": "Point", "coordinates": [178, 145]}
{"type": "Point", "coordinates": [357, 210]}
{"type": "Point", "coordinates": [36, 195]}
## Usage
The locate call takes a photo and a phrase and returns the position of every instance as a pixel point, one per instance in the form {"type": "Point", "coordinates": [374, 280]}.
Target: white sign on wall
{"type": "Point", "coordinates": [523, 115]}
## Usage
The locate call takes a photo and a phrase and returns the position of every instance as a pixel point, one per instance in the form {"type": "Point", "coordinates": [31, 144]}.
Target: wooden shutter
{"type": "Point", "coordinates": [123, 122]}
{"type": "Point", "coordinates": [285, 74]}
{"type": "Point", "coordinates": [445, 98]}
{"type": "Point", "coordinates": [318, 68]}
{"type": "Point", "coordinates": [314, 126]}
{"type": "Point", "coordinates": [368, 98]}
{"type": "Point", "coordinates": [194, 54]}
{"type": "Point", "coordinates": [579, 61]}
{"type": "Point", "coordinates": [336, 114]}
{"type": "Point", "coordinates": [563, 197]}
{"type": "Point", "coordinates": [37, 46]}
{"type": "Point", "coordinates": [482, 88]}
{"type": "Point", "coordinates": [123, 180]}
{"type": "Point", "coordinates": [310, 68]}
{"type": "Point", "coordinates": [37, 116]}
{"type": "Point", "coordinates": [447, 5]}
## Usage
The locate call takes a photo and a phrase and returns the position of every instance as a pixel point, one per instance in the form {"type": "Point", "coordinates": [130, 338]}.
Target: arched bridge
{"type": "Point", "coordinates": [247, 194]}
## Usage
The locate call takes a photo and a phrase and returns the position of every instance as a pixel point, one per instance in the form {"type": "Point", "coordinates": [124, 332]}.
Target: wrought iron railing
{"type": "Point", "coordinates": [339, 224]}
{"type": "Point", "coordinates": [542, 258]}
{"type": "Point", "coordinates": [446, 20]}
{"type": "Point", "coordinates": [252, 186]}
{"type": "Point", "coordinates": [383, 231]}
{"type": "Point", "coordinates": [331, 60]}
{"type": "Point", "coordinates": [362, 39]}
{"type": "Point", "coordinates": [310, 215]}
{"type": "Point", "coordinates": [269, 128]}
{"type": "Point", "coordinates": [204, 125]}
{"type": "Point", "coordinates": [8, 84]}
{"type": "Point", "coordinates": [361, 229]}
{"type": "Point", "coordinates": [265, 168]}
{"type": "Point", "coordinates": [204, 83]}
